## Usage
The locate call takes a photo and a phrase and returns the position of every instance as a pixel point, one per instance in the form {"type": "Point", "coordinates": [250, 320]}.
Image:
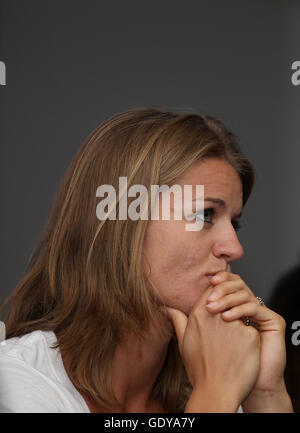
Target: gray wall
{"type": "Point", "coordinates": [72, 64]}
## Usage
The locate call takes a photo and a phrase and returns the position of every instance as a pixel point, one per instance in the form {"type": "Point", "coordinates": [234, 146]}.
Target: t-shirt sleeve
{"type": "Point", "coordinates": [24, 389]}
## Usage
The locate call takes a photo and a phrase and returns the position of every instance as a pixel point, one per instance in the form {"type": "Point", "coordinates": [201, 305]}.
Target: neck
{"type": "Point", "coordinates": [135, 368]}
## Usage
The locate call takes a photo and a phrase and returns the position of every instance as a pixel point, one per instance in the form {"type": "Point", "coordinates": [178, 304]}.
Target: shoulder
{"type": "Point", "coordinates": [32, 376]}
{"type": "Point", "coordinates": [30, 352]}
{"type": "Point", "coordinates": [26, 346]}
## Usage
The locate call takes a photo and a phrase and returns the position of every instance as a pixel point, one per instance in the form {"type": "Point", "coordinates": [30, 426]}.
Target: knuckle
{"type": "Point", "coordinates": [236, 276]}
{"type": "Point", "coordinates": [250, 297]}
{"type": "Point", "coordinates": [279, 319]}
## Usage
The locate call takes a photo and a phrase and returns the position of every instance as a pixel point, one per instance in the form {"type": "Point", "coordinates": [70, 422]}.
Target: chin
{"type": "Point", "coordinates": [187, 307]}
{"type": "Point", "coordinates": [186, 303]}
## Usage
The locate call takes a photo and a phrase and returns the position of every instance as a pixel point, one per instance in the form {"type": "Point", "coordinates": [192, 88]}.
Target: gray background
{"type": "Point", "coordinates": [72, 64]}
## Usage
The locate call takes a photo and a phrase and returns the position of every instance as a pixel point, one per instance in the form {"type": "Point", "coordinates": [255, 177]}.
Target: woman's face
{"type": "Point", "coordinates": [181, 260]}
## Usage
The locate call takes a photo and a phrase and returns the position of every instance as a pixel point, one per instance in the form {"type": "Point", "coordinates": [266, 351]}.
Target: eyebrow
{"type": "Point", "coordinates": [220, 203]}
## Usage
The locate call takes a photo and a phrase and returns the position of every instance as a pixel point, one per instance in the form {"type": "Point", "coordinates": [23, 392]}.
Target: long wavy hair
{"type": "Point", "coordinates": [85, 279]}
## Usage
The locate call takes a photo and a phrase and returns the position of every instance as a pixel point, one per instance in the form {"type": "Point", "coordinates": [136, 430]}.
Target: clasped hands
{"type": "Point", "coordinates": [223, 356]}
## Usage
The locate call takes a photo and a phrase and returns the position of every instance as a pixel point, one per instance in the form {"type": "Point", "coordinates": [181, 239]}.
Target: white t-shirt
{"type": "Point", "coordinates": [33, 377]}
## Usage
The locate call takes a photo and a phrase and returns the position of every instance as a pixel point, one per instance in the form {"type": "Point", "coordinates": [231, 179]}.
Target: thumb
{"type": "Point", "coordinates": [179, 321]}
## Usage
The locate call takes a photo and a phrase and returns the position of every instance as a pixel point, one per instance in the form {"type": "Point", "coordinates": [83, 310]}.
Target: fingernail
{"type": "Point", "coordinates": [212, 296]}
{"type": "Point", "coordinates": [227, 313]}
{"type": "Point", "coordinates": [212, 304]}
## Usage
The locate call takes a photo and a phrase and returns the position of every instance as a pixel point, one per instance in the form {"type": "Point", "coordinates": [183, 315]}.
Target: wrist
{"type": "Point", "coordinates": [205, 400]}
{"type": "Point", "coordinates": [276, 400]}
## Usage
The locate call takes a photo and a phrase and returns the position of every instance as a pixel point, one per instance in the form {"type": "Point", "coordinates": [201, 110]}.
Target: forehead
{"type": "Point", "coordinates": [219, 178]}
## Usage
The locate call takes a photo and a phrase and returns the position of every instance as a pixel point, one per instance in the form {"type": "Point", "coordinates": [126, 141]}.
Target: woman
{"type": "Point", "coordinates": [109, 294]}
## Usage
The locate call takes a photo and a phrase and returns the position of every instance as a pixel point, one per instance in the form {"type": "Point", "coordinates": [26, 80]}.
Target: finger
{"type": "Point", "coordinates": [249, 309]}
{"type": "Point", "coordinates": [264, 318]}
{"type": "Point", "coordinates": [229, 301]}
{"type": "Point", "coordinates": [179, 321]}
{"type": "Point", "coordinates": [225, 288]}
{"type": "Point", "coordinates": [223, 276]}
{"type": "Point", "coordinates": [228, 287]}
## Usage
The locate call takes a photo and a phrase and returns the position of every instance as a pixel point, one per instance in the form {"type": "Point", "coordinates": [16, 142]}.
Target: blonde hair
{"type": "Point", "coordinates": [85, 280]}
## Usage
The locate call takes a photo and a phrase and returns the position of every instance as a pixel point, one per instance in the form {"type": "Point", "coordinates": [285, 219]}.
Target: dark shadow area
{"type": "Point", "coordinates": [286, 302]}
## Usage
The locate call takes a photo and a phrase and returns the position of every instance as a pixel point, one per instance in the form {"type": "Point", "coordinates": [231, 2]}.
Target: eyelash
{"type": "Point", "coordinates": [236, 224]}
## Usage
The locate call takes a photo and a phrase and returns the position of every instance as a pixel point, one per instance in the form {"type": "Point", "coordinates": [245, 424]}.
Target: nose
{"type": "Point", "coordinates": [228, 246]}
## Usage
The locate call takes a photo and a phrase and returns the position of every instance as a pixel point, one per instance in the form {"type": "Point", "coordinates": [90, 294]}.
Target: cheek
{"type": "Point", "coordinates": [169, 249]}
{"type": "Point", "coordinates": [178, 280]}
{"type": "Point", "coordinates": [177, 268]}
{"type": "Point", "coordinates": [162, 242]}
{"type": "Point", "coordinates": [164, 256]}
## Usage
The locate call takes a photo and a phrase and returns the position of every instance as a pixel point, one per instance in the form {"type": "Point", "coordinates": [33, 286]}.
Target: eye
{"type": "Point", "coordinates": [207, 214]}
